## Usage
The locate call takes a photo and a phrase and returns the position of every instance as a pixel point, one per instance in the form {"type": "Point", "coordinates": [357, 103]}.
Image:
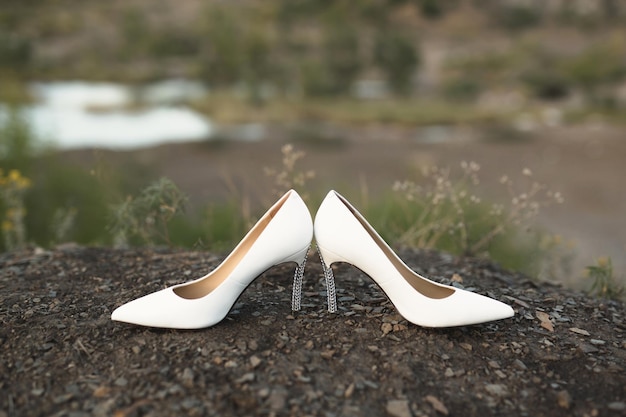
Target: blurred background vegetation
{"type": "Point", "coordinates": [283, 49]}
{"type": "Point", "coordinates": [505, 67]}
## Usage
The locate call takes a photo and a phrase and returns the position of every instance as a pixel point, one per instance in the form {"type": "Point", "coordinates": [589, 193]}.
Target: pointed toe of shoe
{"type": "Point", "coordinates": [134, 312]}
{"type": "Point", "coordinates": [462, 308]}
{"type": "Point", "coordinates": [475, 308]}
{"type": "Point", "coordinates": [150, 310]}
{"type": "Point", "coordinates": [165, 309]}
{"type": "Point", "coordinates": [123, 313]}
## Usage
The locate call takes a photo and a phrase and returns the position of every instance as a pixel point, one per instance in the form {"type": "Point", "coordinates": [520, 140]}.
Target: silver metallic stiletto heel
{"type": "Point", "coordinates": [331, 293]}
{"type": "Point", "coordinates": [296, 293]}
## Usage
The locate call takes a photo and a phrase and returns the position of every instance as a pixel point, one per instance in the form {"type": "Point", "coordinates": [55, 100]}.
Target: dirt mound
{"type": "Point", "coordinates": [563, 353]}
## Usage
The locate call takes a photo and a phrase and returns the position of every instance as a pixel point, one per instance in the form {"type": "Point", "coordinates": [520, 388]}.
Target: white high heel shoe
{"type": "Point", "coordinates": [343, 235]}
{"type": "Point", "coordinates": [283, 234]}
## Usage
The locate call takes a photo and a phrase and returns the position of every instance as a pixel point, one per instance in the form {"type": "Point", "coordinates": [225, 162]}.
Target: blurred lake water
{"type": "Point", "coordinates": [78, 114]}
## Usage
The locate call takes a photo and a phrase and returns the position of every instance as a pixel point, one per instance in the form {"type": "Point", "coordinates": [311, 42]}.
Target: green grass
{"type": "Point", "coordinates": [392, 216]}
{"type": "Point", "coordinates": [228, 109]}
{"type": "Point", "coordinates": [83, 201]}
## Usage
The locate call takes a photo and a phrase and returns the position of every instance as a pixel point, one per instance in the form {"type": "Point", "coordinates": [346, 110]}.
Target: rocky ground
{"type": "Point", "coordinates": [563, 354]}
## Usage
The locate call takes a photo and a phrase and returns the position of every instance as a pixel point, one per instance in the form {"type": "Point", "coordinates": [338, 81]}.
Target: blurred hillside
{"type": "Point", "coordinates": [500, 55]}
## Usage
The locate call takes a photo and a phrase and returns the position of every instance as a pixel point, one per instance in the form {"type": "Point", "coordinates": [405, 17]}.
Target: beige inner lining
{"type": "Point", "coordinates": [203, 287]}
{"type": "Point", "coordinates": [420, 284]}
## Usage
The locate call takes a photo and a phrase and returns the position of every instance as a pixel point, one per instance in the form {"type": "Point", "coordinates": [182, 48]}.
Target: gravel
{"type": "Point", "coordinates": [563, 354]}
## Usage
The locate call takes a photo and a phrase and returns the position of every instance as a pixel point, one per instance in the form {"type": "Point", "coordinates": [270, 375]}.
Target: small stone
{"type": "Point", "coordinates": [466, 346]}
{"type": "Point", "coordinates": [494, 364]}
{"type": "Point", "coordinates": [520, 365]}
{"type": "Point", "coordinates": [449, 372]}
{"type": "Point", "coordinates": [277, 399]}
{"type": "Point", "coordinates": [101, 392]}
{"type": "Point", "coordinates": [247, 377]}
{"type": "Point", "coordinates": [398, 408]}
{"type": "Point", "coordinates": [349, 391]}
{"type": "Point", "coordinates": [103, 409]}
{"type": "Point", "coordinates": [386, 328]}
{"type": "Point", "coordinates": [579, 331]}
{"type": "Point", "coordinates": [370, 384]}
{"type": "Point", "coordinates": [564, 399]}
{"type": "Point", "coordinates": [230, 364]}
{"type": "Point", "coordinates": [617, 406]}
{"type": "Point", "coordinates": [399, 327]}
{"type": "Point", "coordinates": [597, 342]}
{"type": "Point", "coordinates": [187, 377]}
{"type": "Point", "coordinates": [327, 354]}
{"type": "Point", "coordinates": [457, 278]}
{"type": "Point", "coordinates": [189, 403]}
{"type": "Point", "coordinates": [496, 389]}
{"type": "Point", "coordinates": [437, 404]}
{"type": "Point", "coordinates": [121, 382]}
{"type": "Point", "coordinates": [62, 398]}
{"type": "Point", "coordinates": [136, 349]}
{"type": "Point", "coordinates": [586, 348]}
{"type": "Point", "coordinates": [500, 374]}
{"type": "Point", "coordinates": [544, 318]}
{"type": "Point", "coordinates": [254, 361]}
{"type": "Point", "coordinates": [518, 301]}
{"type": "Point", "coordinates": [37, 391]}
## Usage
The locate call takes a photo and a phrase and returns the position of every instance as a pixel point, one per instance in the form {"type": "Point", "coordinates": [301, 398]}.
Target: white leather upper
{"type": "Point", "coordinates": [285, 238]}
{"type": "Point", "coordinates": [343, 235]}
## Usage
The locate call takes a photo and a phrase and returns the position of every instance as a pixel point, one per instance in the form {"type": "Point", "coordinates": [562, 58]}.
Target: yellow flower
{"type": "Point", "coordinates": [16, 179]}
{"type": "Point", "coordinates": [603, 261]}
{"type": "Point", "coordinates": [24, 183]}
{"type": "Point", "coordinates": [7, 225]}
{"type": "Point", "coordinates": [14, 175]}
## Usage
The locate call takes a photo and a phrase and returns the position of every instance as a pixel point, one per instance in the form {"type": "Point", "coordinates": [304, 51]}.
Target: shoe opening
{"type": "Point", "coordinates": [210, 282]}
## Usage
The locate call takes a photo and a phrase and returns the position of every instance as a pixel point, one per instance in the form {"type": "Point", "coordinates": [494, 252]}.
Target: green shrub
{"type": "Point", "coordinates": [341, 57]}
{"type": "Point", "coordinates": [64, 202]}
{"type": "Point", "coordinates": [15, 51]}
{"type": "Point", "coordinates": [599, 64]}
{"type": "Point", "coordinates": [61, 193]}
{"type": "Point", "coordinates": [17, 143]}
{"type": "Point", "coordinates": [225, 224]}
{"type": "Point", "coordinates": [174, 42]}
{"type": "Point", "coordinates": [145, 218]}
{"type": "Point", "coordinates": [462, 88]}
{"type": "Point", "coordinates": [547, 83]}
{"type": "Point", "coordinates": [443, 212]}
{"type": "Point", "coordinates": [13, 186]}
{"type": "Point", "coordinates": [315, 79]}
{"type": "Point", "coordinates": [518, 17]}
{"type": "Point", "coordinates": [398, 58]}
{"type": "Point", "coordinates": [224, 55]}
{"type": "Point", "coordinates": [432, 9]}
{"type": "Point", "coordinates": [604, 283]}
